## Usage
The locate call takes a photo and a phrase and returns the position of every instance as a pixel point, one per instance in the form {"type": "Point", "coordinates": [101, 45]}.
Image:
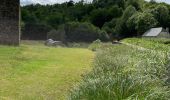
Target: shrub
{"type": "Point", "coordinates": [83, 32]}
{"type": "Point", "coordinates": [95, 45]}
{"type": "Point", "coordinates": [57, 35]}
{"type": "Point", "coordinates": [34, 31]}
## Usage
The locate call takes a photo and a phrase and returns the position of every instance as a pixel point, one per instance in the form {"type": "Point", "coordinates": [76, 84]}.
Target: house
{"type": "Point", "coordinates": [157, 32]}
{"type": "Point", "coordinates": [9, 22]}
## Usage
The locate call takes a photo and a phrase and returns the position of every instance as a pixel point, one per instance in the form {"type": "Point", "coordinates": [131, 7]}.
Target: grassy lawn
{"type": "Point", "coordinates": [36, 72]}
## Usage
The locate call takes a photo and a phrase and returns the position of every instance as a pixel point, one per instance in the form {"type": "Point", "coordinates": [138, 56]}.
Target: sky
{"type": "Point", "coordinates": [26, 2]}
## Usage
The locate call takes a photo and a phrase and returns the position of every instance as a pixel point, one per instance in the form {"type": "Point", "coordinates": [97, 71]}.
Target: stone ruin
{"type": "Point", "coordinates": [9, 22]}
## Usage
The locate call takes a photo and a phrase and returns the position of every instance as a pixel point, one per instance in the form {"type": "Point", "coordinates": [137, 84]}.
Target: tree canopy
{"type": "Point", "coordinates": [119, 18]}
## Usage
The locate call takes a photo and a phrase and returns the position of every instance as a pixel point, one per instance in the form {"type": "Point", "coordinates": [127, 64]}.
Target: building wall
{"type": "Point", "coordinates": [9, 22]}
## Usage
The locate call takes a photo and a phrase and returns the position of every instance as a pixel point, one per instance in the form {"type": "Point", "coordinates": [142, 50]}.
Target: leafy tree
{"type": "Point", "coordinates": [152, 1]}
{"type": "Point", "coordinates": [106, 3]}
{"type": "Point", "coordinates": [55, 21]}
{"type": "Point", "coordinates": [121, 27]}
{"type": "Point", "coordinates": [136, 3]}
{"type": "Point", "coordinates": [70, 3]}
{"type": "Point", "coordinates": [115, 11]}
{"type": "Point", "coordinates": [145, 21]}
{"type": "Point", "coordinates": [131, 23]}
{"type": "Point", "coordinates": [28, 17]}
{"type": "Point", "coordinates": [161, 14]}
{"type": "Point", "coordinates": [99, 16]}
{"type": "Point", "coordinates": [141, 22]}
{"type": "Point", "coordinates": [58, 35]}
{"type": "Point", "coordinates": [119, 18]}
{"type": "Point", "coordinates": [109, 28]}
{"type": "Point", "coordinates": [83, 32]}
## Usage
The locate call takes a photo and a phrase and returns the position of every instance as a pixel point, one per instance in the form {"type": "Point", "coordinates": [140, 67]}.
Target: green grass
{"type": "Point", "coordinates": [36, 72]}
{"type": "Point", "coordinates": [150, 43]}
{"type": "Point", "coordinates": [122, 72]}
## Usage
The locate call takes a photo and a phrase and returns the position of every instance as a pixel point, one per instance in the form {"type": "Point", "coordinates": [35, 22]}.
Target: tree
{"type": "Point", "coordinates": [121, 27]}
{"type": "Point", "coordinates": [136, 3]}
{"type": "Point", "coordinates": [108, 3]}
{"type": "Point", "coordinates": [152, 1]}
{"type": "Point", "coordinates": [161, 14]}
{"type": "Point", "coordinates": [141, 22]}
{"type": "Point", "coordinates": [115, 11]}
{"type": "Point", "coordinates": [55, 20]}
{"type": "Point", "coordinates": [83, 32]}
{"type": "Point", "coordinates": [70, 3]}
{"type": "Point", "coordinates": [99, 16]}
{"type": "Point", "coordinates": [28, 17]}
{"type": "Point", "coordinates": [131, 24]}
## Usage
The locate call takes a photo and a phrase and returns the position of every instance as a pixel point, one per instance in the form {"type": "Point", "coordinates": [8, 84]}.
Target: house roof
{"type": "Point", "coordinates": [153, 32]}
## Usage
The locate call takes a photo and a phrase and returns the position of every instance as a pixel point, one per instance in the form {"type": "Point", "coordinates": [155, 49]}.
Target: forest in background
{"type": "Point", "coordinates": [103, 19]}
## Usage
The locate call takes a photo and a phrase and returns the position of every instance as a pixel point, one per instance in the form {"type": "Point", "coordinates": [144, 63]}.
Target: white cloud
{"type": "Point", "coordinates": [25, 2]}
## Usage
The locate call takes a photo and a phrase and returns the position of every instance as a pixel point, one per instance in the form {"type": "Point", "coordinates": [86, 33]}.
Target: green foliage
{"type": "Point", "coordinates": [57, 35]}
{"type": "Point", "coordinates": [141, 22]}
{"type": "Point", "coordinates": [144, 22]}
{"type": "Point", "coordinates": [106, 3]}
{"type": "Point", "coordinates": [78, 45]}
{"type": "Point", "coordinates": [115, 11]}
{"type": "Point", "coordinates": [136, 3]}
{"type": "Point", "coordinates": [109, 26]}
{"type": "Point", "coordinates": [124, 73]}
{"type": "Point", "coordinates": [27, 17]}
{"type": "Point", "coordinates": [35, 31]}
{"type": "Point", "coordinates": [161, 14]}
{"type": "Point", "coordinates": [99, 17]}
{"type": "Point", "coordinates": [84, 32]}
{"type": "Point", "coordinates": [55, 21]}
{"type": "Point", "coordinates": [112, 16]}
{"type": "Point", "coordinates": [151, 43]}
{"type": "Point", "coordinates": [121, 26]}
{"type": "Point", "coordinates": [95, 45]}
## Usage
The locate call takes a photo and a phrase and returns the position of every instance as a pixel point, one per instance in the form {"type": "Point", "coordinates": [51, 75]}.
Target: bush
{"type": "Point", "coordinates": [95, 45]}
{"type": "Point", "coordinates": [57, 35]}
{"type": "Point", "coordinates": [35, 31]}
{"type": "Point", "coordinates": [84, 32]}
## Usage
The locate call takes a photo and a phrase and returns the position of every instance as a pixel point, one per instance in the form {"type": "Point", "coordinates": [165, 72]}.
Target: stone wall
{"type": "Point", "coordinates": [9, 22]}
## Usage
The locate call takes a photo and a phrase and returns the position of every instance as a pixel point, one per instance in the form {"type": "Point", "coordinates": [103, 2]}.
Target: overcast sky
{"type": "Point", "coordinates": [25, 2]}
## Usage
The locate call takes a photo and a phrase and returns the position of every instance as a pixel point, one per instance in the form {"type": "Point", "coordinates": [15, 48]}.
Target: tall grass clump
{"type": "Point", "coordinates": [98, 44]}
{"type": "Point", "coordinates": [124, 73]}
{"type": "Point", "coordinates": [95, 45]}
